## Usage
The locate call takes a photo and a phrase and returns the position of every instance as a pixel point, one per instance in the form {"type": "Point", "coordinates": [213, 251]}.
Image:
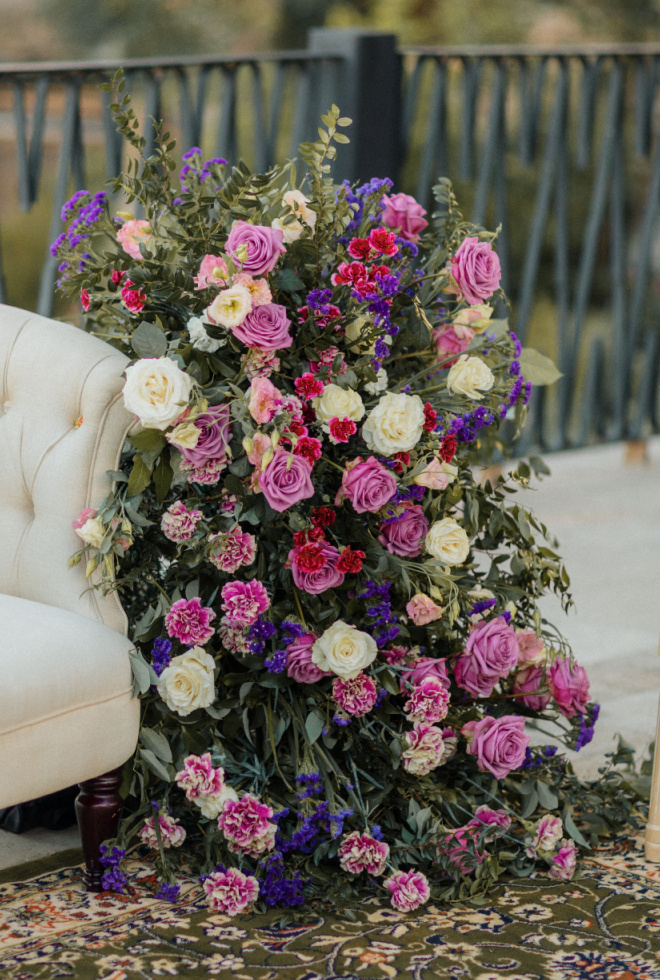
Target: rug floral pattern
{"type": "Point", "coordinates": [603, 925]}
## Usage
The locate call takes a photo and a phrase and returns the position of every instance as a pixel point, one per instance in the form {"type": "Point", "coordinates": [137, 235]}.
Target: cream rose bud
{"type": "Point", "coordinates": [230, 307]}
{"type": "Point", "coordinates": [344, 650]}
{"type": "Point", "coordinates": [92, 532]}
{"type": "Point", "coordinates": [157, 391]}
{"type": "Point", "coordinates": [447, 541]}
{"type": "Point", "coordinates": [185, 436]}
{"type": "Point", "coordinates": [395, 424]}
{"type": "Point", "coordinates": [338, 403]}
{"type": "Point", "coordinates": [212, 806]}
{"type": "Point", "coordinates": [380, 384]}
{"type": "Point", "coordinates": [297, 201]}
{"type": "Point", "coordinates": [188, 683]}
{"type": "Point", "coordinates": [470, 376]}
{"type": "Point", "coordinates": [200, 338]}
{"type": "Point", "coordinates": [291, 231]}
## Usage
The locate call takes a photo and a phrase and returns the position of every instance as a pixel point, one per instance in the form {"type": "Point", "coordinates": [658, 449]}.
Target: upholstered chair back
{"type": "Point", "coordinates": [62, 426]}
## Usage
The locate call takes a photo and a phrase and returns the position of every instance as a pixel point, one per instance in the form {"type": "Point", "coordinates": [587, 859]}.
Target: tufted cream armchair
{"type": "Point", "coordinates": [66, 713]}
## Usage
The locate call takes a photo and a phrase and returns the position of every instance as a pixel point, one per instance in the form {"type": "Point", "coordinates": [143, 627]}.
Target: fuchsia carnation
{"type": "Point", "coordinates": [299, 663]}
{"type": "Point", "coordinates": [214, 434]}
{"type": "Point", "coordinates": [179, 524]}
{"type": "Point", "coordinates": [490, 654]}
{"type": "Point", "coordinates": [356, 696]}
{"type": "Point", "coordinates": [286, 481]}
{"type": "Point", "coordinates": [564, 862]}
{"type": "Point", "coordinates": [362, 852]}
{"type": "Point", "coordinates": [255, 249]}
{"type": "Point", "coordinates": [569, 686]}
{"type": "Point", "coordinates": [405, 536]}
{"type": "Point", "coordinates": [231, 891]}
{"type": "Point", "coordinates": [484, 816]}
{"type": "Point", "coordinates": [498, 743]}
{"type": "Point", "coordinates": [476, 269]}
{"type": "Point", "coordinates": [243, 602]}
{"type": "Point", "coordinates": [172, 834]}
{"type": "Point", "coordinates": [367, 485]}
{"type": "Point", "coordinates": [429, 701]}
{"type": "Point", "coordinates": [199, 778]}
{"type": "Point", "coordinates": [425, 667]}
{"type": "Point", "coordinates": [232, 550]}
{"type": "Point", "coordinates": [455, 847]}
{"type": "Point", "coordinates": [188, 622]}
{"type": "Point", "coordinates": [315, 581]}
{"type": "Point", "coordinates": [247, 826]}
{"type": "Point", "coordinates": [409, 890]}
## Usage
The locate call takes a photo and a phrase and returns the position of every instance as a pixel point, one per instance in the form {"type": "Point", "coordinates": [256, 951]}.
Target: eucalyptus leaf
{"type": "Point", "coordinates": [537, 368]}
{"type": "Point", "coordinates": [149, 340]}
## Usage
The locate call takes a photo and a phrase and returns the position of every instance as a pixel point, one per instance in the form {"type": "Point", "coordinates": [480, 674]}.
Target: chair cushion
{"type": "Point", "coordinates": [53, 662]}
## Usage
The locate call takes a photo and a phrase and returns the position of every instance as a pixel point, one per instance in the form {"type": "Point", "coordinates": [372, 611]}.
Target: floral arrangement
{"type": "Point", "coordinates": [338, 643]}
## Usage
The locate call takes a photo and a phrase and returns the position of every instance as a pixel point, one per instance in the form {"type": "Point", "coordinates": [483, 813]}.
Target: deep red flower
{"type": "Point", "coordinates": [448, 448]}
{"type": "Point", "coordinates": [402, 459]}
{"type": "Point", "coordinates": [430, 417]}
{"type": "Point", "coordinates": [84, 299]}
{"type": "Point", "coordinates": [322, 516]}
{"type": "Point", "coordinates": [296, 427]}
{"type": "Point", "coordinates": [308, 414]}
{"type": "Point", "coordinates": [133, 299]}
{"type": "Point", "coordinates": [349, 272]}
{"type": "Point", "coordinates": [350, 562]}
{"type": "Point", "coordinates": [341, 430]}
{"type": "Point", "coordinates": [309, 448]}
{"type": "Point", "coordinates": [307, 386]}
{"type": "Point", "coordinates": [315, 534]}
{"type": "Point", "coordinates": [359, 248]}
{"type": "Point", "coordinates": [117, 276]}
{"type": "Point", "coordinates": [310, 558]}
{"type": "Point", "coordinates": [303, 312]}
{"type": "Point", "coordinates": [300, 538]}
{"type": "Point", "coordinates": [383, 241]}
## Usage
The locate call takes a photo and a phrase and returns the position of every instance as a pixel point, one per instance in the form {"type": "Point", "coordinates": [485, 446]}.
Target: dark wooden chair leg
{"type": "Point", "coordinates": [98, 808]}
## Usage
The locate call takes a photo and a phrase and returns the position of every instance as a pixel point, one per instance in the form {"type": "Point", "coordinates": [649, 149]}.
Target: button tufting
{"type": "Point", "coordinates": [6, 406]}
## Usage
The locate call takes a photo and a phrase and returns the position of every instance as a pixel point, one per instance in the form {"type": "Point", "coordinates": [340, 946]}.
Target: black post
{"type": "Point", "coordinates": [369, 91]}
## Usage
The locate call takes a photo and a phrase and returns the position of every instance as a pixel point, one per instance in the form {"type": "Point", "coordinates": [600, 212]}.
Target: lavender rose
{"type": "Point", "coordinates": [526, 683]}
{"type": "Point", "coordinates": [299, 663]}
{"type": "Point", "coordinates": [476, 269]}
{"type": "Point", "coordinates": [261, 247]}
{"type": "Point", "coordinates": [266, 327]}
{"type": "Point", "coordinates": [368, 486]}
{"type": "Point", "coordinates": [491, 652]}
{"type": "Point", "coordinates": [405, 535]}
{"type": "Point", "coordinates": [214, 436]}
{"type": "Point", "coordinates": [569, 686]}
{"type": "Point", "coordinates": [317, 580]}
{"type": "Point", "coordinates": [286, 481]}
{"type": "Point", "coordinates": [422, 668]}
{"type": "Point", "coordinates": [498, 743]}
{"type": "Point", "coordinates": [405, 215]}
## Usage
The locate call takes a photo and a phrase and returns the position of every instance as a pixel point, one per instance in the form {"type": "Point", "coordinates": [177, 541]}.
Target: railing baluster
{"type": "Point", "coordinates": [276, 96]}
{"type": "Point", "coordinates": [301, 108]}
{"type": "Point", "coordinates": [226, 142]}
{"type": "Point", "coordinates": [258, 127]}
{"type": "Point", "coordinates": [471, 77]}
{"type": "Point", "coordinates": [436, 138]}
{"type": "Point", "coordinates": [490, 147]}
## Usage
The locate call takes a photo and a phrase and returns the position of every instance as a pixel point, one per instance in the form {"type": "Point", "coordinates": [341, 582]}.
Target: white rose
{"type": "Point", "coordinates": [291, 231]}
{"type": "Point", "coordinates": [157, 391]}
{"type": "Point", "coordinates": [188, 683]}
{"type": "Point", "coordinates": [437, 475]}
{"type": "Point", "coordinates": [230, 307]}
{"type": "Point", "coordinates": [470, 376]}
{"type": "Point", "coordinates": [92, 532]}
{"type": "Point", "coordinates": [474, 318]}
{"type": "Point", "coordinates": [339, 403]}
{"type": "Point", "coordinates": [447, 541]}
{"type": "Point", "coordinates": [297, 201]}
{"type": "Point", "coordinates": [395, 424]}
{"type": "Point", "coordinates": [211, 806]}
{"type": "Point", "coordinates": [344, 649]}
{"type": "Point", "coordinates": [200, 338]}
{"type": "Point", "coordinates": [353, 332]}
{"type": "Point", "coordinates": [380, 384]}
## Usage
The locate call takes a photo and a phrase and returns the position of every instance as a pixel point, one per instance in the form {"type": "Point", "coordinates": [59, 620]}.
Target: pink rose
{"type": "Point", "coordinates": [214, 436]}
{"type": "Point", "coordinates": [265, 400]}
{"type": "Point", "coordinates": [433, 476]}
{"type": "Point", "coordinates": [199, 778]}
{"type": "Point", "coordinates": [528, 681]}
{"type": "Point", "coordinates": [429, 702]}
{"type": "Point", "coordinates": [532, 651]}
{"type": "Point", "coordinates": [569, 687]}
{"type": "Point", "coordinates": [317, 581]}
{"type": "Point", "coordinates": [247, 826]}
{"type": "Point", "coordinates": [179, 524]}
{"type": "Point", "coordinates": [498, 743]}
{"type": "Point", "coordinates": [409, 890]}
{"type": "Point", "coordinates": [356, 696]}
{"type": "Point", "coordinates": [423, 610]}
{"type": "Point", "coordinates": [261, 249]}
{"type": "Point", "coordinates": [172, 834]}
{"type": "Point", "coordinates": [485, 817]}
{"type": "Point", "coordinates": [84, 516]}
{"type": "Point", "coordinates": [188, 622]}
{"type": "Point", "coordinates": [362, 852]}
{"type": "Point", "coordinates": [368, 486]}
{"type": "Point", "coordinates": [425, 667]}
{"type": "Point", "coordinates": [212, 272]}
{"type": "Point", "coordinates": [299, 663]}
{"type": "Point", "coordinates": [491, 653]}
{"type": "Point", "coordinates": [244, 602]}
{"type": "Point", "coordinates": [230, 891]}
{"type": "Point", "coordinates": [476, 269]}
{"type": "Point", "coordinates": [266, 327]}
{"type": "Point", "coordinates": [131, 234]}
{"type": "Point", "coordinates": [404, 214]}
{"type": "Point", "coordinates": [405, 535]}
{"type": "Point", "coordinates": [564, 861]}
{"type": "Point", "coordinates": [286, 481]}
{"type": "Point", "coordinates": [447, 343]}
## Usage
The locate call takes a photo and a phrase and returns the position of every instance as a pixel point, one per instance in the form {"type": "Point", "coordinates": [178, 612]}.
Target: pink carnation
{"type": "Point", "coordinates": [548, 833]}
{"type": "Point", "coordinates": [564, 861]}
{"type": "Point", "coordinates": [476, 270]}
{"type": "Point", "coordinates": [171, 832]}
{"type": "Point", "coordinates": [319, 580]}
{"type": "Point", "coordinates": [243, 602]}
{"type": "Point", "coordinates": [179, 524]}
{"type": "Point", "coordinates": [231, 891]}
{"type": "Point", "coordinates": [188, 621]}
{"type": "Point", "coordinates": [396, 655]}
{"type": "Point", "coordinates": [85, 515]}
{"type": "Point", "coordinates": [425, 667]}
{"type": "Point", "coordinates": [212, 272]}
{"type": "Point", "coordinates": [484, 816]}
{"type": "Point", "coordinates": [498, 743]}
{"type": "Point", "coordinates": [286, 481]}
{"type": "Point", "coordinates": [569, 686]}
{"type": "Point", "coordinates": [423, 610]}
{"type": "Point", "coordinates": [362, 852]}
{"type": "Point", "coordinates": [131, 234]}
{"type": "Point", "coordinates": [265, 400]}
{"type": "Point", "coordinates": [429, 702]}
{"type": "Point", "coordinates": [133, 299]}
{"type": "Point", "coordinates": [206, 473]}
{"type": "Point", "coordinates": [233, 638]}
{"type": "Point", "coordinates": [526, 683]}
{"type": "Point", "coordinates": [247, 826]}
{"type": "Point", "coordinates": [455, 847]}
{"type": "Point", "coordinates": [409, 890]}
{"type": "Point", "coordinates": [356, 696]}
{"type": "Point", "coordinates": [199, 778]}
{"type": "Point", "coordinates": [425, 750]}
{"type": "Point", "coordinates": [232, 550]}
{"type": "Point", "coordinates": [299, 663]}
{"type": "Point", "coordinates": [405, 215]}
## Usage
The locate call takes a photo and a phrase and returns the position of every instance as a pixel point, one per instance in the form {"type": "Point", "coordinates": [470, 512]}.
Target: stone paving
{"type": "Point", "coordinates": [605, 512]}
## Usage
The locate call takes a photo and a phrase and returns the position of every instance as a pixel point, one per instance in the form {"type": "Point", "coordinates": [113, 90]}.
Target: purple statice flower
{"type": "Point", "coordinates": [549, 751]}
{"type": "Point", "coordinates": [276, 889]}
{"type": "Point", "coordinates": [341, 720]}
{"type": "Point", "coordinates": [57, 244]}
{"type": "Point", "coordinates": [312, 783]}
{"type": "Point", "coordinates": [411, 246]}
{"type": "Point", "coordinates": [260, 631]}
{"type": "Point", "coordinates": [518, 345]}
{"type": "Point", "coordinates": [170, 893]}
{"type": "Point", "coordinates": [514, 368]}
{"type": "Point", "coordinates": [194, 151]}
{"type": "Point", "coordinates": [528, 392]}
{"type": "Point", "coordinates": [277, 663]}
{"type": "Point", "coordinates": [161, 655]}
{"type": "Point", "coordinates": [506, 615]}
{"type": "Point", "coordinates": [480, 607]}
{"type": "Point", "coordinates": [291, 631]}
{"type": "Point", "coordinates": [114, 879]}
{"type": "Point", "coordinates": [380, 697]}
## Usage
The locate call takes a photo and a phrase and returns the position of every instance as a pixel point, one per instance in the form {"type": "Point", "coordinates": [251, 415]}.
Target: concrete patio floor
{"type": "Point", "coordinates": [605, 513]}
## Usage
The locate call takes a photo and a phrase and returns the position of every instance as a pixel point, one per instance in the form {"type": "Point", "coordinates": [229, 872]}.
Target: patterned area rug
{"type": "Point", "coordinates": [603, 925]}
